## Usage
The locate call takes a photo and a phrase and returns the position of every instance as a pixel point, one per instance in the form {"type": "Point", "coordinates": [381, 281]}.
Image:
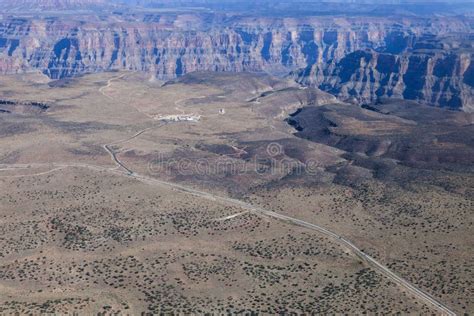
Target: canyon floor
{"type": "Point", "coordinates": [112, 202]}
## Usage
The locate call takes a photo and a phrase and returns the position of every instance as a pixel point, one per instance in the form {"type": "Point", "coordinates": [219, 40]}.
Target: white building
{"type": "Point", "coordinates": [180, 118]}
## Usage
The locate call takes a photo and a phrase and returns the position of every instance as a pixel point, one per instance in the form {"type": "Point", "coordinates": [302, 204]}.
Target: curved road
{"type": "Point", "coordinates": [113, 155]}
{"type": "Point", "coordinates": [422, 295]}
{"type": "Point", "coordinates": [109, 84]}
{"type": "Point", "coordinates": [341, 240]}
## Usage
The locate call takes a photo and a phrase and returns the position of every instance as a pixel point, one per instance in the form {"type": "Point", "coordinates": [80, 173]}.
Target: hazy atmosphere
{"type": "Point", "coordinates": [236, 157]}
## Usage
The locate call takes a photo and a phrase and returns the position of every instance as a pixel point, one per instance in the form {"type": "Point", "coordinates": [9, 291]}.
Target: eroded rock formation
{"type": "Point", "coordinates": [441, 78]}
{"type": "Point", "coordinates": [420, 58]}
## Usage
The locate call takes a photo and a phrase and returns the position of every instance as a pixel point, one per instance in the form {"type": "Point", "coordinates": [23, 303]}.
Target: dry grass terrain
{"type": "Point", "coordinates": [84, 228]}
{"type": "Point", "coordinates": [88, 241]}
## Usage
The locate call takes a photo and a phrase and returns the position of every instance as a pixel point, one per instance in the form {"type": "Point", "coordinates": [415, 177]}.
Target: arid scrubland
{"type": "Point", "coordinates": [83, 226]}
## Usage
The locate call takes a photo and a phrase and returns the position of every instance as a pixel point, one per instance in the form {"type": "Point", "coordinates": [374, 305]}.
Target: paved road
{"type": "Point", "coordinates": [341, 240]}
{"type": "Point", "coordinates": [113, 155]}
{"type": "Point", "coordinates": [116, 161]}
{"type": "Point", "coordinates": [422, 295]}
{"type": "Point", "coordinates": [368, 259]}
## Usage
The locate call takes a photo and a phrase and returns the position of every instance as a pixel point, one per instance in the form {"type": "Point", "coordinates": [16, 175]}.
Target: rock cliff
{"type": "Point", "coordinates": [370, 58]}
{"type": "Point", "coordinates": [440, 78]}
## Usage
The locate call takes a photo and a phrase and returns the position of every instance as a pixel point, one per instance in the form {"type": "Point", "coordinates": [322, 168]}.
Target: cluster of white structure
{"type": "Point", "coordinates": [179, 118]}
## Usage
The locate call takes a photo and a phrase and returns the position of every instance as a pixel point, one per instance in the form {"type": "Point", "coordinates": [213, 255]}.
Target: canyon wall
{"type": "Point", "coordinates": [423, 59]}
{"type": "Point", "coordinates": [441, 78]}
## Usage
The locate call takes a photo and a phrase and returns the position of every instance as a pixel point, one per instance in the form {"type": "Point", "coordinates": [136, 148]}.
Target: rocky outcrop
{"type": "Point", "coordinates": [22, 107]}
{"type": "Point", "coordinates": [363, 58]}
{"type": "Point", "coordinates": [405, 131]}
{"type": "Point", "coordinates": [439, 78]}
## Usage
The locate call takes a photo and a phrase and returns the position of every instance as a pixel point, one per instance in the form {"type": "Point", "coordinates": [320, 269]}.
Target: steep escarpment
{"type": "Point", "coordinates": [444, 78]}
{"type": "Point", "coordinates": [350, 57]}
{"type": "Point", "coordinates": [171, 45]}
